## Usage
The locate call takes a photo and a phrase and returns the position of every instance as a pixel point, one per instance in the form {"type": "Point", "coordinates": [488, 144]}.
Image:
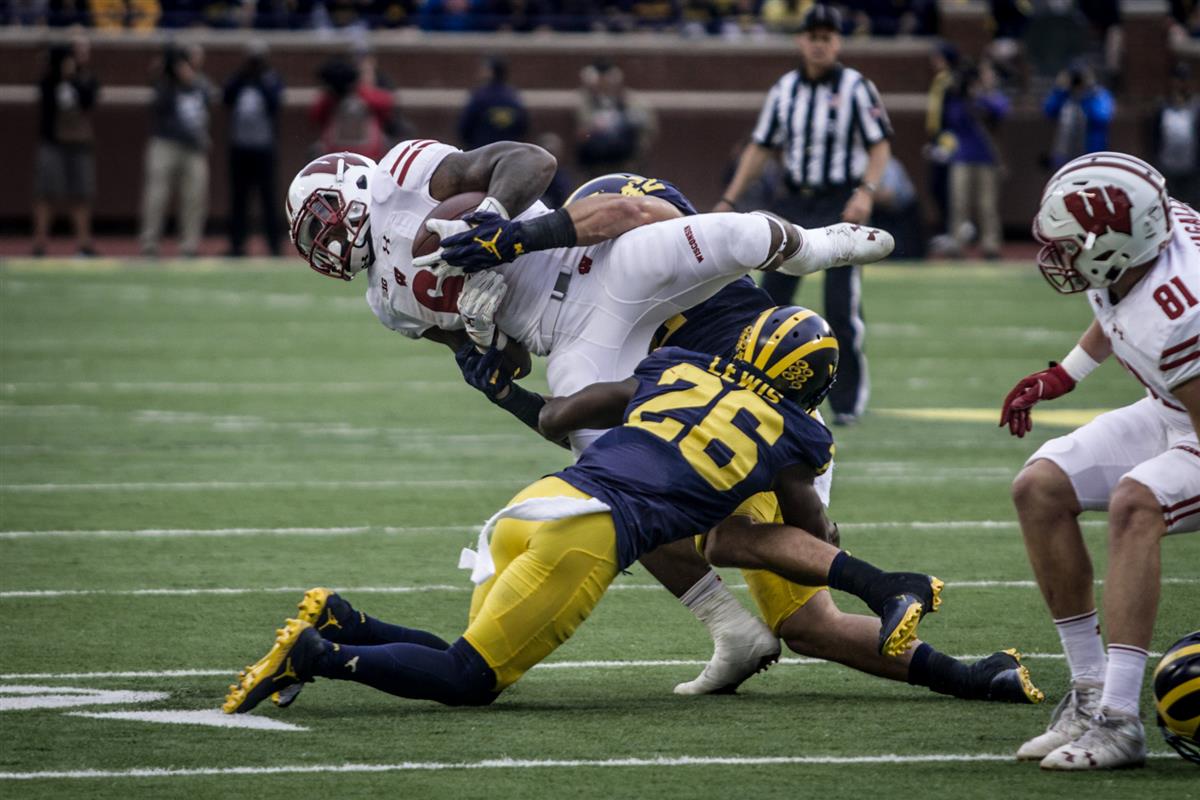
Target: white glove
{"type": "Point", "coordinates": [444, 228]}
{"type": "Point", "coordinates": [478, 303]}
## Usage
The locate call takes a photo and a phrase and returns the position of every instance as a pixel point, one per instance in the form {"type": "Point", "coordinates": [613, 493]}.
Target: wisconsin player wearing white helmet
{"type": "Point", "coordinates": [576, 293]}
{"type": "Point", "coordinates": [1108, 228]}
{"type": "Point", "coordinates": [592, 308]}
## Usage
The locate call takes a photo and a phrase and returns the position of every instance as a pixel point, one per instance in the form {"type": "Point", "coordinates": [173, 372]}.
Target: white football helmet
{"type": "Point", "coordinates": [327, 209]}
{"type": "Point", "coordinates": [1100, 215]}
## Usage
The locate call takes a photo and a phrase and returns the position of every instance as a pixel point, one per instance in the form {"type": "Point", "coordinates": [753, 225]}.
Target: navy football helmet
{"type": "Point", "coordinates": [797, 351]}
{"type": "Point", "coordinates": [631, 185]}
{"type": "Point", "coordinates": [1177, 696]}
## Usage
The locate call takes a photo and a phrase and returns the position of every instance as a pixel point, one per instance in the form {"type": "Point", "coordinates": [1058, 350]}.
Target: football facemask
{"type": "Point", "coordinates": [333, 235]}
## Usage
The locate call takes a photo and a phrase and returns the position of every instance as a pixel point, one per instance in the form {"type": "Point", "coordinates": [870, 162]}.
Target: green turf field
{"type": "Point", "coordinates": [185, 448]}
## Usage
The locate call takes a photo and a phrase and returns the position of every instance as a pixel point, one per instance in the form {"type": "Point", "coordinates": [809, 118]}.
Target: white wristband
{"type": "Point", "coordinates": [1078, 364]}
{"type": "Point", "coordinates": [492, 204]}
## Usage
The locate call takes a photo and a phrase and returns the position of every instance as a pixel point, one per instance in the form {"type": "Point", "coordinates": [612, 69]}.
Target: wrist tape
{"type": "Point", "coordinates": [549, 231]}
{"type": "Point", "coordinates": [1078, 364]}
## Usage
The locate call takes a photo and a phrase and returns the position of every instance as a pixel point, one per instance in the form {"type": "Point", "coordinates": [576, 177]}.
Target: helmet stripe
{"type": "Point", "coordinates": [764, 355]}
{"type": "Point", "coordinates": [1187, 726]}
{"type": "Point", "coordinates": [1175, 655]}
{"type": "Point", "coordinates": [826, 343]}
{"type": "Point", "coordinates": [753, 339]}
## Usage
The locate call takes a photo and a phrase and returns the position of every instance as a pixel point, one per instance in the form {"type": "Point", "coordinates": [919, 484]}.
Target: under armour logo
{"type": "Point", "coordinates": [490, 244]}
{"type": "Point", "coordinates": [386, 244]}
{"type": "Point", "coordinates": [1117, 330]}
{"type": "Point", "coordinates": [352, 664]}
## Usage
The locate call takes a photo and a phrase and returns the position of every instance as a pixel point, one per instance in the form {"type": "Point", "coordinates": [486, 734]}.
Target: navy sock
{"type": "Point", "coordinates": [347, 625]}
{"type": "Point", "coordinates": [375, 631]}
{"type": "Point", "coordinates": [857, 577]}
{"type": "Point", "coordinates": [455, 676]}
{"type": "Point", "coordinates": [939, 672]}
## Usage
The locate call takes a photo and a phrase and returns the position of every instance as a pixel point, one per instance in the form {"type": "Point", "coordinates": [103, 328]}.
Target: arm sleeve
{"type": "Point", "coordinates": [1100, 107]}
{"type": "Point", "coordinates": [1054, 102]}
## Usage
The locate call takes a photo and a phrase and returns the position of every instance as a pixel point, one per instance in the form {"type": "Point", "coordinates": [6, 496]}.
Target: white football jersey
{"type": "Point", "coordinates": [410, 300]}
{"type": "Point", "coordinates": [1155, 329]}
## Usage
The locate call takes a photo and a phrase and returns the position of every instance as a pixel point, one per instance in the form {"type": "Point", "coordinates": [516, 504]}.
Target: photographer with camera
{"type": "Point", "coordinates": [1083, 109]}
{"type": "Point", "coordinates": [253, 96]}
{"type": "Point", "coordinates": [177, 152]}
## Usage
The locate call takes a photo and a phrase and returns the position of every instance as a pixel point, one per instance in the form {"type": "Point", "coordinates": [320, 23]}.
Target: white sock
{"type": "Point", "coordinates": [701, 589]}
{"type": "Point", "coordinates": [1123, 680]}
{"type": "Point", "coordinates": [811, 256]}
{"type": "Point", "coordinates": [713, 604]}
{"type": "Point", "coordinates": [1080, 636]}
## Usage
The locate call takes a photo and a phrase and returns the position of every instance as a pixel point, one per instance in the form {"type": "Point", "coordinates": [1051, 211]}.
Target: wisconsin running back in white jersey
{"type": "Point", "coordinates": [1155, 329]}
{"type": "Point", "coordinates": [410, 300]}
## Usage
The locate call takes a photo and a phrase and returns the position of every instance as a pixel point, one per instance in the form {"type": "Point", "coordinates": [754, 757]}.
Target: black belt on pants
{"type": "Point", "coordinates": [561, 285]}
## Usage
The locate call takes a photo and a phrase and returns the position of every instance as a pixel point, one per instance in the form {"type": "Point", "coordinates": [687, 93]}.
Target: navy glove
{"type": "Point", "coordinates": [493, 241]}
{"type": "Point", "coordinates": [487, 372]}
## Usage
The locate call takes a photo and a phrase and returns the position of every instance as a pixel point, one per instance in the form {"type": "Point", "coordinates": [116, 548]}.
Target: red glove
{"type": "Point", "coordinates": [1045, 385]}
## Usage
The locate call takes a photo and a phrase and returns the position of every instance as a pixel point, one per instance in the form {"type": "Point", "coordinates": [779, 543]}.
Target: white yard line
{"type": "Point", "coordinates": [210, 387]}
{"type": "Point", "coordinates": [170, 533]}
{"type": "Point", "coordinates": [203, 486]}
{"type": "Point", "coordinates": [47, 594]}
{"type": "Point", "coordinates": [183, 533]}
{"type": "Point", "coordinates": [551, 665]}
{"type": "Point", "coordinates": [898, 759]}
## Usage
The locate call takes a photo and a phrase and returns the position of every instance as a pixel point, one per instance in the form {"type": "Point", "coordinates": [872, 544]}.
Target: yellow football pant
{"type": "Point", "coordinates": [549, 577]}
{"type": "Point", "coordinates": [777, 598]}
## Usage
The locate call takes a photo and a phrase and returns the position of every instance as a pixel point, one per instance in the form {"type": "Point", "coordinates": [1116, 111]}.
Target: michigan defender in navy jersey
{"type": "Point", "coordinates": [805, 617]}
{"type": "Point", "coordinates": [697, 435]}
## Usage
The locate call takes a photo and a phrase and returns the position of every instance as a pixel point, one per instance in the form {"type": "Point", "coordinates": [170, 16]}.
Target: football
{"type": "Point", "coordinates": [425, 242]}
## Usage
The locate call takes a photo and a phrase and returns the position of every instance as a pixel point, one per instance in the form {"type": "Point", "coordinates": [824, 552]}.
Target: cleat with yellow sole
{"type": "Point", "coordinates": [1002, 678]}
{"type": "Point", "coordinates": [289, 662]}
{"type": "Point", "coordinates": [911, 596]}
{"type": "Point", "coordinates": [330, 615]}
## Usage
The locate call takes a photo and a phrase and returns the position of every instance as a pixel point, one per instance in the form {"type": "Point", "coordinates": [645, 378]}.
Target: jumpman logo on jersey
{"type": "Point", "coordinates": [490, 244]}
{"type": "Point", "coordinates": [352, 664]}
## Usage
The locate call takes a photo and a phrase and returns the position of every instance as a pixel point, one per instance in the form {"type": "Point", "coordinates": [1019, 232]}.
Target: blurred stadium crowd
{"type": "Point", "coordinates": [1069, 61]}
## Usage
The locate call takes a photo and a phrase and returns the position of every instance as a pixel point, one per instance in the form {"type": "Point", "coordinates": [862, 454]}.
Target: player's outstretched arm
{"type": "Point", "coordinates": [1054, 381]}
{"type": "Point", "coordinates": [493, 240]}
{"type": "Point", "coordinates": [513, 174]}
{"type": "Point", "coordinates": [601, 405]}
{"type": "Point", "coordinates": [801, 506]}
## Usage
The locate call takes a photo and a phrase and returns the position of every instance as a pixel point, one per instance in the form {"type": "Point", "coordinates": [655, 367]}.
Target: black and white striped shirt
{"type": "Point", "coordinates": [823, 128]}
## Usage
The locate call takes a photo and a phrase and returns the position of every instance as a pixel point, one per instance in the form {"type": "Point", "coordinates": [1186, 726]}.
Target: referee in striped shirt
{"type": "Point", "coordinates": [831, 132]}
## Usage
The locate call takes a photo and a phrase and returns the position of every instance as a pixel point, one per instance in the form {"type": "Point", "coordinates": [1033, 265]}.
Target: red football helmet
{"type": "Point", "coordinates": [327, 208]}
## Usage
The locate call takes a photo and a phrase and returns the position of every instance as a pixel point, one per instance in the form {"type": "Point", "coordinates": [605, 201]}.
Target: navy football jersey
{"type": "Point", "coordinates": [714, 325]}
{"type": "Point", "coordinates": [701, 434]}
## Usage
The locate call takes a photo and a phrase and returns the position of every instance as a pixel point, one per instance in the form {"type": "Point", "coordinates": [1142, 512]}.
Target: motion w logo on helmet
{"type": "Point", "coordinates": [1101, 210]}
